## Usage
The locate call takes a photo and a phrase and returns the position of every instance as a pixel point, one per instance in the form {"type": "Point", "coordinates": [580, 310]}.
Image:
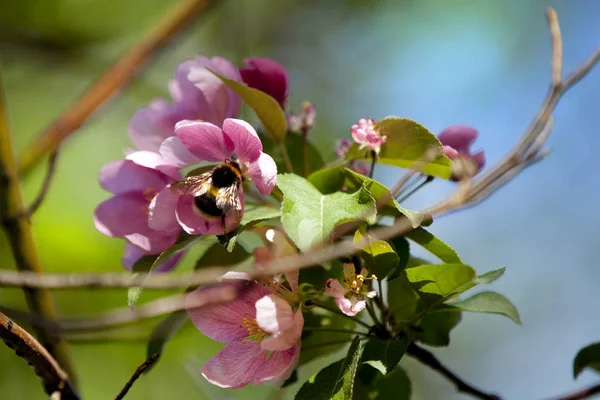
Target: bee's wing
{"type": "Point", "coordinates": [195, 185]}
{"type": "Point", "coordinates": [229, 197]}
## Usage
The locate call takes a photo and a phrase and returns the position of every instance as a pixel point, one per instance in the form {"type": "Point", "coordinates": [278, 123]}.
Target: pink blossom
{"type": "Point", "coordinates": [303, 121]}
{"type": "Point", "coordinates": [196, 141]}
{"type": "Point", "coordinates": [457, 141]}
{"type": "Point", "coordinates": [262, 335]}
{"type": "Point", "coordinates": [366, 135]}
{"type": "Point", "coordinates": [134, 182]}
{"type": "Point", "coordinates": [350, 296]}
{"type": "Point", "coordinates": [268, 76]}
{"type": "Point", "coordinates": [278, 245]}
{"type": "Point", "coordinates": [197, 94]}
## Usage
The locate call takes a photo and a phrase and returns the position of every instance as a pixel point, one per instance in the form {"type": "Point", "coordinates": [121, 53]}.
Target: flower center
{"type": "Point", "coordinates": [255, 332]}
{"type": "Point", "coordinates": [148, 195]}
{"type": "Point", "coordinates": [355, 283]}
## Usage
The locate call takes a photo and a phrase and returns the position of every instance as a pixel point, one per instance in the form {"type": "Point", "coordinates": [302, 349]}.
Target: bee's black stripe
{"type": "Point", "coordinates": [207, 203]}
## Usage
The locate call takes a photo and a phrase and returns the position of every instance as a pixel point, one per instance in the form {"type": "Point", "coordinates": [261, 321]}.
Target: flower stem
{"type": "Point", "coordinates": [305, 150]}
{"type": "Point", "coordinates": [415, 190]}
{"type": "Point", "coordinates": [372, 313]}
{"type": "Point", "coordinates": [338, 312]}
{"type": "Point", "coordinates": [286, 157]}
{"type": "Point", "coordinates": [373, 161]}
{"type": "Point", "coordinates": [320, 329]}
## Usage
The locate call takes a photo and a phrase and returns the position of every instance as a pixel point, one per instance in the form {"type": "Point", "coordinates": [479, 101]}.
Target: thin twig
{"type": "Point", "coordinates": [582, 394]}
{"type": "Point", "coordinates": [39, 199]}
{"type": "Point", "coordinates": [138, 372]}
{"type": "Point", "coordinates": [286, 157]}
{"type": "Point", "coordinates": [429, 359]}
{"type": "Point", "coordinates": [557, 48]}
{"type": "Point", "coordinates": [130, 62]}
{"type": "Point", "coordinates": [19, 235]}
{"type": "Point", "coordinates": [53, 377]}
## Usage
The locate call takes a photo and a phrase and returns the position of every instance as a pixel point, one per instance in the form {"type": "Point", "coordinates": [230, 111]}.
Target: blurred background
{"type": "Point", "coordinates": [481, 63]}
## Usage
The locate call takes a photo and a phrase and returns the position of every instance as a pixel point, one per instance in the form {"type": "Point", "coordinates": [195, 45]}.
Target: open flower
{"type": "Point", "coordinates": [197, 94]}
{"type": "Point", "coordinates": [268, 76]}
{"type": "Point", "coordinates": [262, 335]}
{"type": "Point", "coordinates": [350, 296]}
{"type": "Point", "coordinates": [196, 141]}
{"type": "Point", "coordinates": [365, 133]}
{"type": "Point", "coordinates": [457, 141]}
{"type": "Point", "coordinates": [134, 182]}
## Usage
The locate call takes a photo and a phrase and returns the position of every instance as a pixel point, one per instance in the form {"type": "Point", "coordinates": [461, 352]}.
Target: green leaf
{"type": "Point", "coordinates": [407, 142]}
{"type": "Point", "coordinates": [588, 357]}
{"type": "Point", "coordinates": [293, 144]}
{"type": "Point", "coordinates": [402, 248]}
{"type": "Point", "coordinates": [384, 355]}
{"type": "Point", "coordinates": [380, 258]}
{"type": "Point", "coordinates": [402, 298]}
{"type": "Point", "coordinates": [489, 277]}
{"type": "Point", "coordinates": [163, 332]}
{"type": "Point", "coordinates": [267, 109]}
{"type": "Point", "coordinates": [335, 381]}
{"type": "Point", "coordinates": [490, 303]}
{"type": "Point", "coordinates": [218, 255]}
{"type": "Point", "coordinates": [393, 386]}
{"type": "Point", "coordinates": [434, 328]}
{"type": "Point", "coordinates": [254, 214]}
{"type": "Point", "coordinates": [149, 263]}
{"type": "Point", "coordinates": [309, 217]}
{"type": "Point", "coordinates": [442, 279]}
{"type": "Point", "coordinates": [434, 245]}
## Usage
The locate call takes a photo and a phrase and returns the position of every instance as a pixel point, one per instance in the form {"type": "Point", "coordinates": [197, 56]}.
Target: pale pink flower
{"type": "Point", "coordinates": [303, 121]}
{"type": "Point", "coordinates": [261, 331]}
{"type": "Point", "coordinates": [366, 135]}
{"type": "Point", "coordinates": [351, 296]}
{"type": "Point", "coordinates": [197, 94]}
{"type": "Point", "coordinates": [457, 141]}
{"type": "Point", "coordinates": [196, 141]}
{"type": "Point", "coordinates": [134, 181]}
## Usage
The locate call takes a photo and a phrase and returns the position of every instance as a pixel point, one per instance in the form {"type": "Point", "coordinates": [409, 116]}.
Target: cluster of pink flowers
{"type": "Point", "coordinates": [198, 124]}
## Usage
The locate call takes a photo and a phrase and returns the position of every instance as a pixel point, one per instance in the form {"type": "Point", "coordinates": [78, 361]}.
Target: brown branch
{"type": "Point", "coordinates": [20, 237]}
{"type": "Point", "coordinates": [53, 377]}
{"type": "Point", "coordinates": [429, 359]}
{"type": "Point", "coordinates": [111, 81]}
{"type": "Point", "coordinates": [138, 372]}
{"type": "Point", "coordinates": [582, 394]}
{"type": "Point", "coordinates": [41, 196]}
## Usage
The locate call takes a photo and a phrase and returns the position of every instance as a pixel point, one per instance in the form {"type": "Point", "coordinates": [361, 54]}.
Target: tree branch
{"type": "Point", "coordinates": [429, 359]}
{"type": "Point", "coordinates": [53, 377]}
{"type": "Point", "coordinates": [112, 80]}
{"type": "Point", "coordinates": [138, 372]}
{"type": "Point", "coordinates": [20, 237]}
{"type": "Point", "coordinates": [582, 394]}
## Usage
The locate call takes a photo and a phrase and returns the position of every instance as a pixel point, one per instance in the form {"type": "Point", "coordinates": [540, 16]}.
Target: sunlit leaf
{"type": "Point", "coordinates": [384, 355]}
{"type": "Point", "coordinates": [380, 258]}
{"type": "Point", "coordinates": [309, 217]}
{"type": "Point", "coordinates": [253, 215]}
{"type": "Point", "coordinates": [406, 145]}
{"type": "Point", "coordinates": [267, 109]}
{"type": "Point", "coordinates": [434, 245]}
{"type": "Point", "coordinates": [489, 303]}
{"type": "Point", "coordinates": [489, 277]}
{"type": "Point", "coordinates": [335, 381]}
{"type": "Point", "coordinates": [442, 279]}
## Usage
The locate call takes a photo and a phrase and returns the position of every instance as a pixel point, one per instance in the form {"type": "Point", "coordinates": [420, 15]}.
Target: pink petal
{"type": "Point", "coordinates": [292, 278]}
{"type": "Point", "coordinates": [150, 159]}
{"type": "Point", "coordinates": [263, 173]}
{"type": "Point", "coordinates": [194, 223]}
{"type": "Point", "coordinates": [224, 322]}
{"type": "Point", "coordinates": [246, 143]}
{"type": "Point", "coordinates": [274, 314]}
{"type": "Point", "coordinates": [228, 70]}
{"type": "Point", "coordinates": [151, 241]}
{"type": "Point", "coordinates": [277, 367]}
{"type": "Point", "coordinates": [459, 137]}
{"type": "Point", "coordinates": [479, 158]}
{"type": "Point", "coordinates": [350, 308]}
{"type": "Point", "coordinates": [450, 152]}
{"type": "Point", "coordinates": [151, 125]}
{"type": "Point", "coordinates": [371, 294]}
{"type": "Point", "coordinates": [161, 212]}
{"type": "Point", "coordinates": [126, 176]}
{"type": "Point", "coordinates": [283, 340]}
{"type": "Point", "coordinates": [122, 214]}
{"type": "Point", "coordinates": [175, 153]}
{"type": "Point", "coordinates": [334, 288]}
{"type": "Point", "coordinates": [235, 365]}
{"type": "Point", "coordinates": [214, 92]}
{"type": "Point", "coordinates": [203, 139]}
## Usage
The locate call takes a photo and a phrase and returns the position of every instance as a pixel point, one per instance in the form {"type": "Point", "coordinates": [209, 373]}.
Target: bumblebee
{"type": "Point", "coordinates": [215, 192]}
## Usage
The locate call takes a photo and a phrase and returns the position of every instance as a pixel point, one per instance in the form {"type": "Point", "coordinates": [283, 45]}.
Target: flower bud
{"type": "Point", "coordinates": [457, 141]}
{"type": "Point", "coordinates": [266, 75]}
